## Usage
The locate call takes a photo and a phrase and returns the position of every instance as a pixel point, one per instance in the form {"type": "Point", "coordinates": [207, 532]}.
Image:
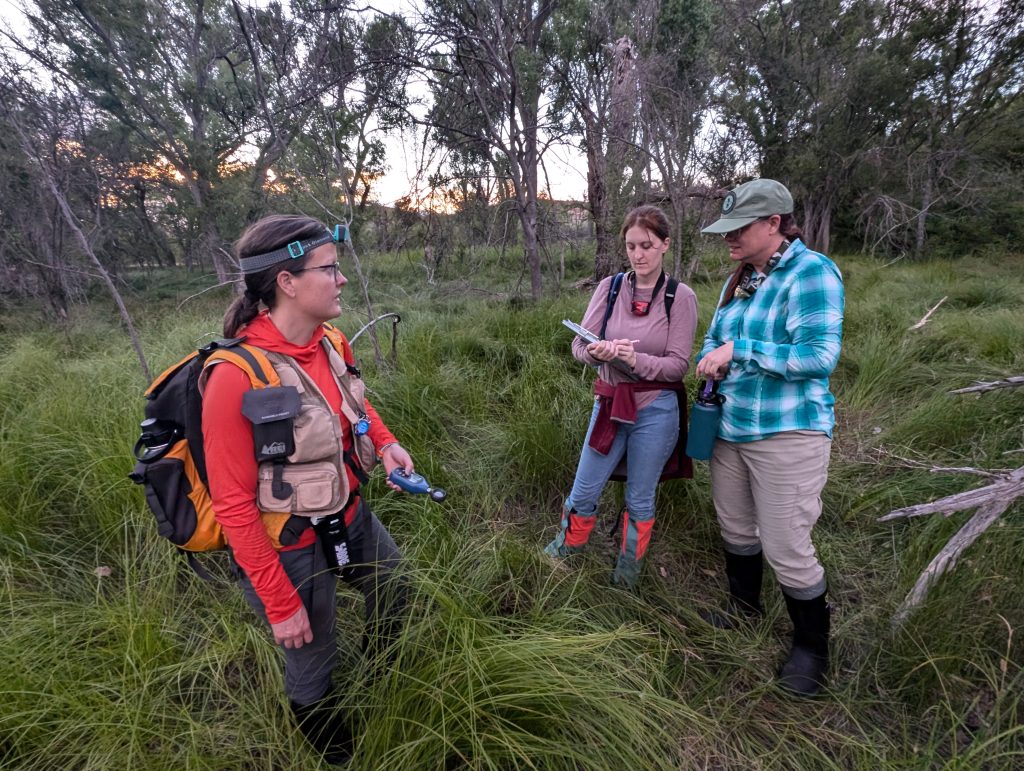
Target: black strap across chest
{"type": "Point", "coordinates": [616, 286]}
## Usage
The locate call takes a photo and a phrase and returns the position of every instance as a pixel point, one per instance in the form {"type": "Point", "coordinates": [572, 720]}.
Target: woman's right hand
{"type": "Point", "coordinates": [606, 350]}
{"type": "Point", "coordinates": [715, 363]}
{"type": "Point", "coordinates": [294, 631]}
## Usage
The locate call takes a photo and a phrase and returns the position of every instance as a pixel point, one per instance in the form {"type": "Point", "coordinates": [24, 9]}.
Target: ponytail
{"type": "Point", "coordinates": [789, 229]}
{"type": "Point", "coordinates": [243, 310]}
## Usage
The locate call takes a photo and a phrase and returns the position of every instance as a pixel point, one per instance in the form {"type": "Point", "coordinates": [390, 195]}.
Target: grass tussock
{"type": "Point", "coordinates": [117, 657]}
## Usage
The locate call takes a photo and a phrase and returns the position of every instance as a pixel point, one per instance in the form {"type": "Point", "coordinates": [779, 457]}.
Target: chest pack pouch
{"type": "Point", "coordinates": [272, 412]}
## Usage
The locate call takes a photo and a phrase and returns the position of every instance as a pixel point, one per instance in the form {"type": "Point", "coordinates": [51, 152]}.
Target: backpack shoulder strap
{"type": "Point", "coordinates": [334, 339]}
{"type": "Point", "coordinates": [167, 373]}
{"type": "Point", "coordinates": [670, 295]}
{"type": "Point", "coordinates": [248, 358]}
{"type": "Point", "coordinates": [337, 340]}
{"type": "Point", "coordinates": [348, 377]}
{"type": "Point", "coordinates": [613, 294]}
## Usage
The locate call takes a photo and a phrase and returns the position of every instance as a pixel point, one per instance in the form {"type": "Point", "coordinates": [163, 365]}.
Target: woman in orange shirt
{"type": "Point", "coordinates": [292, 283]}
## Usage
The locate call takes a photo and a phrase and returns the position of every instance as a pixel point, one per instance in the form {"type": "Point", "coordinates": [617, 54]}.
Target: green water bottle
{"type": "Point", "coordinates": [705, 417]}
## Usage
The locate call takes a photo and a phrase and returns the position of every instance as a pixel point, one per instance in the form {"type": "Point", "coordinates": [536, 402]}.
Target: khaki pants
{"type": "Point", "coordinates": [767, 496]}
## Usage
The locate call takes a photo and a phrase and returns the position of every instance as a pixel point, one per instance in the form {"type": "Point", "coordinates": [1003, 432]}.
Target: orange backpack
{"type": "Point", "coordinates": [170, 462]}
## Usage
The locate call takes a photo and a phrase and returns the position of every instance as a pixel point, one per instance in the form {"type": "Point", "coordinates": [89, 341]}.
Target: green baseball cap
{"type": "Point", "coordinates": [750, 202]}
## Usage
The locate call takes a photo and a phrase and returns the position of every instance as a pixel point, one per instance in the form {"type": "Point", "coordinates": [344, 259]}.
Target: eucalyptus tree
{"type": "Point", "coordinates": [813, 86]}
{"type": "Point", "coordinates": [675, 74]}
{"type": "Point", "coordinates": [468, 177]}
{"type": "Point", "coordinates": [319, 77]}
{"type": "Point", "coordinates": [943, 156]}
{"type": "Point", "coordinates": [55, 172]}
{"type": "Point", "coordinates": [487, 69]}
{"type": "Point", "coordinates": [340, 151]}
{"type": "Point", "coordinates": [594, 91]}
{"type": "Point", "coordinates": [631, 82]}
{"type": "Point", "coordinates": [169, 71]}
{"type": "Point", "coordinates": [36, 258]}
{"type": "Point", "coordinates": [212, 89]}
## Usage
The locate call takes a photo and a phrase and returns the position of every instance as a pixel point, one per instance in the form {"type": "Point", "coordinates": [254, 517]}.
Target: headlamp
{"type": "Point", "coordinates": [292, 250]}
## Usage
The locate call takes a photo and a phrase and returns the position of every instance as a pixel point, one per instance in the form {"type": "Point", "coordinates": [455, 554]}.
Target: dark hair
{"type": "Point", "coordinates": [264, 236]}
{"type": "Point", "coordinates": [648, 217]}
{"type": "Point", "coordinates": [789, 229]}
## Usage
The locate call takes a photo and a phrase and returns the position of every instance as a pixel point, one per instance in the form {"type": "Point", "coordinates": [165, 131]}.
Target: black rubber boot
{"type": "Point", "coordinates": [744, 572]}
{"type": "Point", "coordinates": [325, 727]}
{"type": "Point", "coordinates": [804, 671]}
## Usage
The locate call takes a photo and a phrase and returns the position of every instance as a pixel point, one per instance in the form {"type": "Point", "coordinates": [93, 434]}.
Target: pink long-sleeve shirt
{"type": "Point", "coordinates": [663, 352]}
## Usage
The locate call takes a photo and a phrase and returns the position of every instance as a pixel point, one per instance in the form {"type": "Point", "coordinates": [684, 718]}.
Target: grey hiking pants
{"type": "Point", "coordinates": [373, 572]}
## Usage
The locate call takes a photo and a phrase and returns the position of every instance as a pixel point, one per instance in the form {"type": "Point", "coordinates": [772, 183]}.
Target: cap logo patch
{"type": "Point", "coordinates": [728, 203]}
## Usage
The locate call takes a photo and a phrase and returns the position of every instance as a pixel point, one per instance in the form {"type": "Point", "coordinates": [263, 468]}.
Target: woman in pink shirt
{"type": "Point", "coordinates": [640, 404]}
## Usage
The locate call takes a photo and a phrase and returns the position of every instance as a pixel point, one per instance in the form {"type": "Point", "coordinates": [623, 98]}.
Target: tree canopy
{"type": "Point", "coordinates": [168, 125]}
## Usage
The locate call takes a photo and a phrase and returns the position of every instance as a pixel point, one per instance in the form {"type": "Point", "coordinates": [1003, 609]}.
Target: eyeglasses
{"type": "Point", "coordinates": [334, 268]}
{"type": "Point", "coordinates": [740, 231]}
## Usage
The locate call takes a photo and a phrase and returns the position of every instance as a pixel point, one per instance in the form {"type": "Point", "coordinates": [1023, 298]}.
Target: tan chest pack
{"type": "Point", "coordinates": [171, 463]}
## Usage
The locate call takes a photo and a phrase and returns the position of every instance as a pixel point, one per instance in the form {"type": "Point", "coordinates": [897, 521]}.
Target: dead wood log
{"type": "Point", "coordinates": [924, 319]}
{"type": "Point", "coordinates": [1006, 487]}
{"type": "Point", "coordinates": [991, 501]}
{"type": "Point", "coordinates": [981, 385]}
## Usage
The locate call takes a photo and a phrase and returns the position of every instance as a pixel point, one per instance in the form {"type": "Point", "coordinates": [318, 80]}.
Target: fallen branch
{"type": "Point", "coordinates": [927, 316]}
{"type": "Point", "coordinates": [1006, 487]}
{"type": "Point", "coordinates": [911, 463]}
{"type": "Point", "coordinates": [946, 559]}
{"type": "Point", "coordinates": [991, 501]}
{"type": "Point", "coordinates": [981, 385]}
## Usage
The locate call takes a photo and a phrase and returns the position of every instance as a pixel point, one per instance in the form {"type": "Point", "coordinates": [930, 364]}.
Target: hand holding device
{"type": "Point", "coordinates": [416, 484]}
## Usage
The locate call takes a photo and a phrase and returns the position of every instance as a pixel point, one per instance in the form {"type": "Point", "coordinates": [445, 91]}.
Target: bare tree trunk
{"type": "Point", "coordinates": [825, 228]}
{"type": "Point", "coordinates": [597, 200]}
{"type": "Point", "coordinates": [818, 221]}
{"type": "Point", "coordinates": [364, 287]}
{"type": "Point", "coordinates": [210, 240]}
{"type": "Point", "coordinates": [528, 200]}
{"type": "Point", "coordinates": [83, 242]}
{"type": "Point", "coordinates": [922, 214]}
{"type": "Point", "coordinates": [622, 108]}
{"type": "Point", "coordinates": [528, 219]}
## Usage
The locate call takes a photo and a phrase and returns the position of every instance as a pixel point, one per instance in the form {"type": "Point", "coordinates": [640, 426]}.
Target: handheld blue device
{"type": "Point", "coordinates": [416, 484]}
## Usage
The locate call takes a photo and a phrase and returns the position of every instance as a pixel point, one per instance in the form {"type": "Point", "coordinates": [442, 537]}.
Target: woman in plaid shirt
{"type": "Point", "coordinates": [773, 342]}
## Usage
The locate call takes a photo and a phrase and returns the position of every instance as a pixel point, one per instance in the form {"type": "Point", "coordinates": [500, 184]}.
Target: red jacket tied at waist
{"type": "Point", "coordinates": [618, 405]}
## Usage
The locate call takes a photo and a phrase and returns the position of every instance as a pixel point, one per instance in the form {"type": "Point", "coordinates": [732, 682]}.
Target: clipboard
{"type": "Point", "coordinates": [583, 332]}
{"type": "Point", "coordinates": [590, 337]}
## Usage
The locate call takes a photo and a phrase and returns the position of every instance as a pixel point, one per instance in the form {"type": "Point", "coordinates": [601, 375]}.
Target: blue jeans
{"type": "Point", "coordinates": [648, 443]}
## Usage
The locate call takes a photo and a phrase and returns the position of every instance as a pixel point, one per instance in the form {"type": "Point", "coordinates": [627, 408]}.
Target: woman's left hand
{"type": "Point", "coordinates": [395, 456]}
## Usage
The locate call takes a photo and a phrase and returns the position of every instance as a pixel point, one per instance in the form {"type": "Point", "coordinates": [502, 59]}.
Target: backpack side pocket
{"type": "Point", "coordinates": [179, 500]}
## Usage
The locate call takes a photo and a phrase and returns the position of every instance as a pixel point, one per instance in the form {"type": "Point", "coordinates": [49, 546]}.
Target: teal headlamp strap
{"type": "Point", "coordinates": [293, 250]}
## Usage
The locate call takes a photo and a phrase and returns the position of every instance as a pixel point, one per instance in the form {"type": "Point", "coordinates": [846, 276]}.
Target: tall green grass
{"type": "Point", "coordinates": [117, 657]}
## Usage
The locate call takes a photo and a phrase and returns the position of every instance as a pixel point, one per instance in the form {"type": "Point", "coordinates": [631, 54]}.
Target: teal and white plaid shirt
{"type": "Point", "coordinates": [786, 341]}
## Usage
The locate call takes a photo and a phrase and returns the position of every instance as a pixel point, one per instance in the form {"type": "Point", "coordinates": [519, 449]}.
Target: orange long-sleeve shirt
{"type": "Point", "coordinates": [231, 460]}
